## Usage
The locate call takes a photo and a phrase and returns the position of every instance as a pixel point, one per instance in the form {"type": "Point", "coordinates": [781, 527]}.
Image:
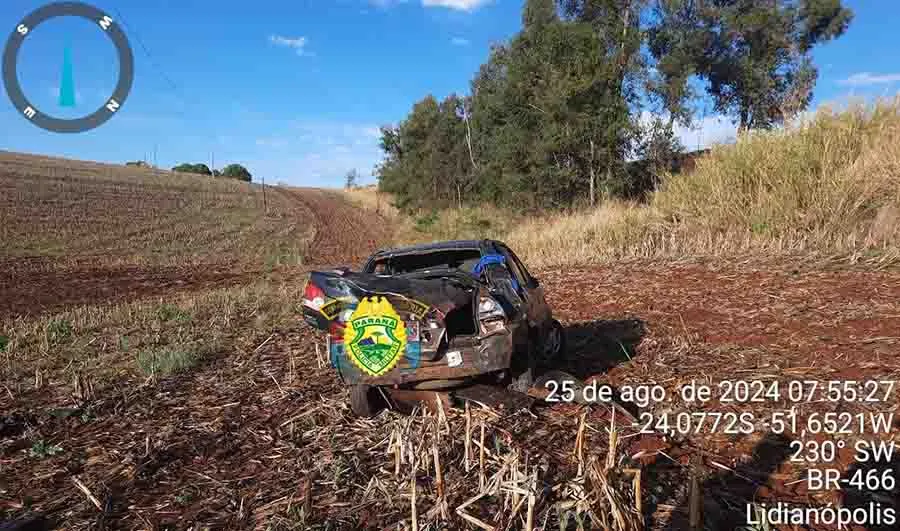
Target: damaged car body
{"type": "Point", "coordinates": [434, 317]}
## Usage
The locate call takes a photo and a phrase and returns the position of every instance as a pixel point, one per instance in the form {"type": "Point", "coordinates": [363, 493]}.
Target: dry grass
{"type": "Point", "coordinates": [65, 211]}
{"type": "Point", "coordinates": [130, 341]}
{"type": "Point", "coordinates": [469, 222]}
{"type": "Point", "coordinates": [829, 186]}
{"type": "Point", "coordinates": [369, 198]}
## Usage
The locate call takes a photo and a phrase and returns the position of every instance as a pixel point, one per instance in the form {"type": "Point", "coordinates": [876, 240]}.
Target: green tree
{"type": "Point", "coordinates": [236, 171]}
{"type": "Point", "coordinates": [658, 151]}
{"type": "Point", "coordinates": [538, 13]}
{"type": "Point", "coordinates": [200, 169]}
{"type": "Point", "coordinates": [553, 113]}
{"type": "Point", "coordinates": [754, 56]}
{"type": "Point", "coordinates": [548, 114]}
{"type": "Point", "coordinates": [674, 44]}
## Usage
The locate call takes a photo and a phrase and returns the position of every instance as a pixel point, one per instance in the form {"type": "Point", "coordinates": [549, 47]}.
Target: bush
{"type": "Point", "coordinates": [200, 169]}
{"type": "Point", "coordinates": [236, 171]}
{"type": "Point", "coordinates": [171, 312]}
{"type": "Point", "coordinates": [425, 222]}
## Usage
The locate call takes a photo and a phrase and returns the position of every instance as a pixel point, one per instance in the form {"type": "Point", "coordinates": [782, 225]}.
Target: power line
{"type": "Point", "coordinates": [146, 50]}
{"type": "Point", "coordinates": [174, 87]}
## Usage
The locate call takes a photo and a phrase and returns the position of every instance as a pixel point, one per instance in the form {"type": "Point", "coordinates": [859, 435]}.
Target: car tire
{"type": "Point", "coordinates": [365, 400]}
{"type": "Point", "coordinates": [554, 345]}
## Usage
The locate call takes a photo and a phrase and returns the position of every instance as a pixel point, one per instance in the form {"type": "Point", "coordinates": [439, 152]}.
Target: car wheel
{"type": "Point", "coordinates": [365, 400]}
{"type": "Point", "coordinates": [554, 343]}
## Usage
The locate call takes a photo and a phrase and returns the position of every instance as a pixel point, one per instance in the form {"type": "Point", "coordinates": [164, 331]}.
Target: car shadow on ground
{"type": "Point", "coordinates": [593, 347]}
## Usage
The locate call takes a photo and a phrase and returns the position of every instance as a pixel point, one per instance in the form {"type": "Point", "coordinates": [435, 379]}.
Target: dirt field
{"type": "Point", "coordinates": [258, 434]}
{"type": "Point", "coordinates": [76, 232]}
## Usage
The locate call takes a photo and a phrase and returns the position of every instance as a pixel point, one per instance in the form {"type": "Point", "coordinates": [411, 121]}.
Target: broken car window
{"type": "Point", "coordinates": [461, 259]}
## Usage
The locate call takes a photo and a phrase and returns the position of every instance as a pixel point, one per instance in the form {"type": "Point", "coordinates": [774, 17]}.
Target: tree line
{"type": "Point", "coordinates": [232, 171]}
{"type": "Point", "coordinates": [557, 115]}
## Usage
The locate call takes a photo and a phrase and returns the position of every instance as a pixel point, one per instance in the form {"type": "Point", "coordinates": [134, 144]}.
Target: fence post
{"type": "Point", "coordinates": [265, 204]}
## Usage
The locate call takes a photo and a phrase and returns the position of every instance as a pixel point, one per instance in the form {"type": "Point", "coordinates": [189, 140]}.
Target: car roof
{"type": "Point", "coordinates": [448, 245]}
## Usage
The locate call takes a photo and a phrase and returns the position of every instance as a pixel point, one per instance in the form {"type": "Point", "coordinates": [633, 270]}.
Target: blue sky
{"type": "Point", "coordinates": [296, 89]}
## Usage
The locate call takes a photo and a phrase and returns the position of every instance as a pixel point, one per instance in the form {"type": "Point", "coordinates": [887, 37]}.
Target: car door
{"type": "Point", "coordinates": [529, 289]}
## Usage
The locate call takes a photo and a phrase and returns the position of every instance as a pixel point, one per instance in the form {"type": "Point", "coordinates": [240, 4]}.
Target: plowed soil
{"type": "Point", "coordinates": [342, 234]}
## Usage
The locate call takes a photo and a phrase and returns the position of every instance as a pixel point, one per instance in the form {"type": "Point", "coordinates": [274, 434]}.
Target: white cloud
{"type": "Point", "coordinates": [861, 79]}
{"type": "Point", "coordinates": [462, 5]}
{"type": "Point", "coordinates": [297, 43]}
{"type": "Point", "coordinates": [459, 41]}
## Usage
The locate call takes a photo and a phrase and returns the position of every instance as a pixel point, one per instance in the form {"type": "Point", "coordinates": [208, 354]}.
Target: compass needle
{"type": "Point", "coordinates": [67, 83]}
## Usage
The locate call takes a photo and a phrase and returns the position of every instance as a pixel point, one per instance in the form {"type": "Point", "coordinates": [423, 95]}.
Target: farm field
{"type": "Point", "coordinates": [155, 373]}
{"type": "Point", "coordinates": [77, 232]}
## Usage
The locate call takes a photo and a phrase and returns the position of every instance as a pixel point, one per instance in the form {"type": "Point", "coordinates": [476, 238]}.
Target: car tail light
{"type": "Point", "coordinates": [313, 296]}
{"type": "Point", "coordinates": [489, 309]}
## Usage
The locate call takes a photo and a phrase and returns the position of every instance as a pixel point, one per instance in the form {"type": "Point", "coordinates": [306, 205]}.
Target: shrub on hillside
{"type": "Point", "coordinates": [200, 169]}
{"type": "Point", "coordinates": [236, 171]}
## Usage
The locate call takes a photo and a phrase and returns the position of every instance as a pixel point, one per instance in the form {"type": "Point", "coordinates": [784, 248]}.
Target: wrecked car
{"type": "Point", "coordinates": [433, 317]}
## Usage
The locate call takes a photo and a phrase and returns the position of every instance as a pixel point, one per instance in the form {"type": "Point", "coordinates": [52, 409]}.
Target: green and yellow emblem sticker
{"type": "Point", "coordinates": [375, 336]}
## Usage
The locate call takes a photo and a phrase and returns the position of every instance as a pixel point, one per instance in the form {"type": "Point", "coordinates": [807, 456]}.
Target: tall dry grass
{"type": "Point", "coordinates": [468, 222]}
{"type": "Point", "coordinates": [829, 185]}
{"type": "Point", "coordinates": [369, 198]}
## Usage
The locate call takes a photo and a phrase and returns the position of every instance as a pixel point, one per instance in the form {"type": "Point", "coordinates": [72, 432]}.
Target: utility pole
{"type": "Point", "coordinates": [212, 162]}
{"type": "Point", "coordinates": [265, 204]}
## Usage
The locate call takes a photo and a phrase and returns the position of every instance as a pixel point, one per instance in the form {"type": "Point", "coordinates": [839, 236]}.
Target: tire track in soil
{"type": "Point", "coordinates": [345, 234]}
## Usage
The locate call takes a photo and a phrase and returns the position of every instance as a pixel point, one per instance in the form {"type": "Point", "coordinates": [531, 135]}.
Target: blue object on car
{"type": "Point", "coordinates": [492, 259]}
{"type": "Point", "coordinates": [486, 260]}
